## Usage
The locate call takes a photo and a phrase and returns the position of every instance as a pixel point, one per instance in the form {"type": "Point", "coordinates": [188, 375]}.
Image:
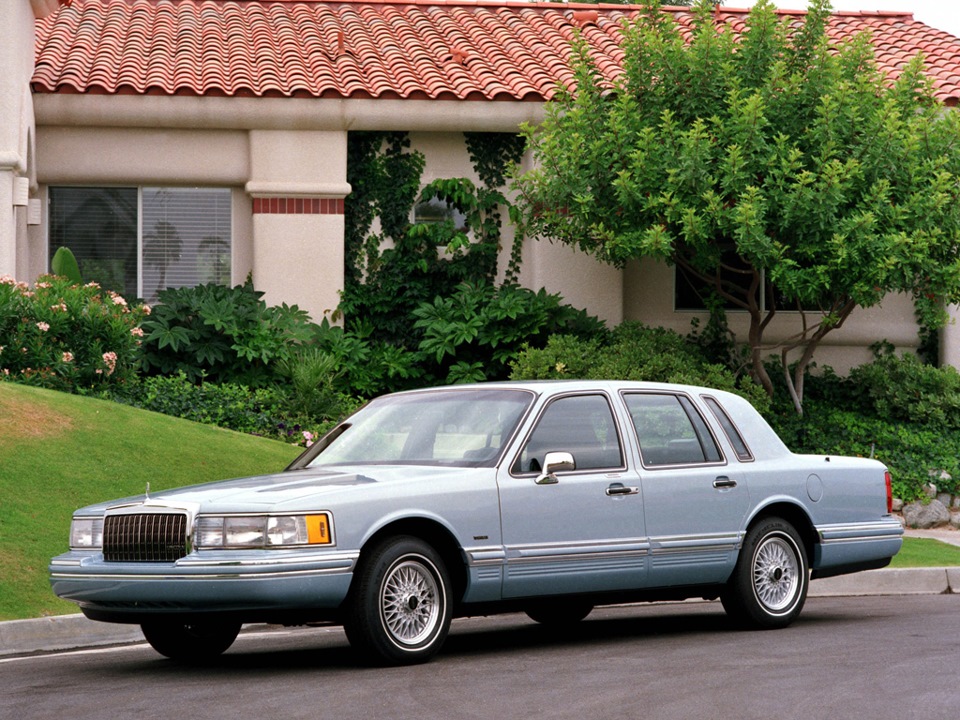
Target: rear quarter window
{"type": "Point", "coordinates": [729, 429]}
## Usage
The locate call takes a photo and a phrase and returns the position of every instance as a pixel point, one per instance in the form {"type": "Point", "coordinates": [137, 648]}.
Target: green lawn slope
{"type": "Point", "coordinates": [59, 452]}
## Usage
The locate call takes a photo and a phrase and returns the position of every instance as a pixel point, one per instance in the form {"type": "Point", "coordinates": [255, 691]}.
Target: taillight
{"type": "Point", "coordinates": [889, 480]}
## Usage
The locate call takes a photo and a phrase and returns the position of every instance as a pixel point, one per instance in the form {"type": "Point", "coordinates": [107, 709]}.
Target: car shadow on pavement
{"type": "Point", "coordinates": [288, 651]}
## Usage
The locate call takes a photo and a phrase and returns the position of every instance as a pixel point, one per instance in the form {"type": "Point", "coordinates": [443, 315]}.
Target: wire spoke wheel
{"type": "Point", "coordinates": [409, 607]}
{"type": "Point", "coordinates": [399, 610]}
{"type": "Point", "coordinates": [776, 573]}
{"type": "Point", "coordinates": [768, 587]}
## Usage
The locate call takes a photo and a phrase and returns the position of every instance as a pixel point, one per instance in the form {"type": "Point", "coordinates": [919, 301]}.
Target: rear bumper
{"type": "Point", "coordinates": [851, 547]}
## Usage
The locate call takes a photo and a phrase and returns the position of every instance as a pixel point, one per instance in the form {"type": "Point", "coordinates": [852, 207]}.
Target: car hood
{"type": "Point", "coordinates": [296, 489]}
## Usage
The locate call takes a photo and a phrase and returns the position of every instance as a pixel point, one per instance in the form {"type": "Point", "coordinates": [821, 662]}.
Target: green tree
{"type": "Point", "coordinates": [779, 170]}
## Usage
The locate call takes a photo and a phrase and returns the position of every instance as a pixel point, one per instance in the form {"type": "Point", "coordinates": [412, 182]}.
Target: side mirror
{"type": "Point", "coordinates": [553, 463]}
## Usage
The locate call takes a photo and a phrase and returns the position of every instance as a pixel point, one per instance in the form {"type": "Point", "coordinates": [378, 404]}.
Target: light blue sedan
{"type": "Point", "coordinates": [546, 498]}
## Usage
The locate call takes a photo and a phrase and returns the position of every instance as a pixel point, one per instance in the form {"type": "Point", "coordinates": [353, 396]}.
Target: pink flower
{"type": "Point", "coordinates": [43, 326]}
{"type": "Point", "coordinates": [309, 437]}
{"type": "Point", "coordinates": [110, 360]}
{"type": "Point", "coordinates": [67, 357]}
{"type": "Point", "coordinates": [117, 300]}
{"type": "Point", "coordinates": [44, 285]}
{"type": "Point", "coordinates": [138, 332]}
{"type": "Point", "coordinates": [146, 309]}
{"type": "Point", "coordinates": [59, 307]}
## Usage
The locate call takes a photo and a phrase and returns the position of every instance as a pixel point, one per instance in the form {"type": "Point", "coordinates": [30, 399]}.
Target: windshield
{"type": "Point", "coordinates": [457, 428]}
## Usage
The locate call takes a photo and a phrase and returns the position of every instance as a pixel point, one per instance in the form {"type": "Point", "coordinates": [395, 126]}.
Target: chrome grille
{"type": "Point", "coordinates": [145, 537]}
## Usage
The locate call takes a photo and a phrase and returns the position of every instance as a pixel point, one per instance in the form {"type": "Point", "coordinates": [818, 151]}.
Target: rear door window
{"type": "Point", "coordinates": [671, 431]}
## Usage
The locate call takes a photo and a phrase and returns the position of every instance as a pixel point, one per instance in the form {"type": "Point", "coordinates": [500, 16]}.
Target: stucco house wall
{"type": "Point", "coordinates": [649, 292]}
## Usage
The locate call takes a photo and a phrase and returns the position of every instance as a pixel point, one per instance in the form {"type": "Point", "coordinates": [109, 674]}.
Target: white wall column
{"type": "Point", "coordinates": [950, 338]}
{"type": "Point", "coordinates": [298, 181]}
{"type": "Point", "coordinates": [16, 59]}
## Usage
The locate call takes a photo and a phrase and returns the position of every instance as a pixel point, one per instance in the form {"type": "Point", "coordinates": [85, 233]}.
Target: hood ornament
{"type": "Point", "coordinates": [146, 493]}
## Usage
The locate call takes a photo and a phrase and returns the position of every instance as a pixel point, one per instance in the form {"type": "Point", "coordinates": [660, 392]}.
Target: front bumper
{"type": "Point", "coordinates": [251, 585]}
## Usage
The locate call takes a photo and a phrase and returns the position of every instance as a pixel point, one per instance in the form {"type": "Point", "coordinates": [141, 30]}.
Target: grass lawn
{"type": "Point", "coordinates": [59, 452]}
{"type": "Point", "coordinates": [926, 552]}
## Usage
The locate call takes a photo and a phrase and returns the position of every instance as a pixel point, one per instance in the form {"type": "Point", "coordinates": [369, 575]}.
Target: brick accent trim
{"type": "Point", "coordinates": [297, 206]}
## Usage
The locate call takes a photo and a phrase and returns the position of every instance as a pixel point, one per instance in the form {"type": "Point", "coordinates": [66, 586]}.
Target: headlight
{"type": "Point", "coordinates": [262, 531]}
{"type": "Point", "coordinates": [86, 533]}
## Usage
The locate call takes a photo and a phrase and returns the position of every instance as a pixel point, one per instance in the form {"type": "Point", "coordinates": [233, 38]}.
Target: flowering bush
{"type": "Point", "coordinates": [67, 336]}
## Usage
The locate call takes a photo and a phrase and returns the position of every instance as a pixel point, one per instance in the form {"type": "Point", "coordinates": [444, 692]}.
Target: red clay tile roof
{"type": "Point", "coordinates": [420, 49]}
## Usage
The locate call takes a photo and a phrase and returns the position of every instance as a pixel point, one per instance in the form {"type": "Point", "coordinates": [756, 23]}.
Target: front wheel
{"type": "Point", "coordinates": [399, 611]}
{"type": "Point", "coordinates": [769, 583]}
{"type": "Point", "coordinates": [190, 642]}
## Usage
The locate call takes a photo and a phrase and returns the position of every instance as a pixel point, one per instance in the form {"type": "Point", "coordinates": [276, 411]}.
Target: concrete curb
{"type": "Point", "coordinates": [890, 581]}
{"type": "Point", "coordinates": [62, 632]}
{"type": "Point", "coordinates": [73, 632]}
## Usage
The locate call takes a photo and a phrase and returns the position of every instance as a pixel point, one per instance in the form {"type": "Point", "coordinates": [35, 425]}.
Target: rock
{"type": "Point", "coordinates": [925, 516]}
{"type": "Point", "coordinates": [897, 504]}
{"type": "Point", "coordinates": [956, 502]}
{"type": "Point", "coordinates": [955, 520]}
{"type": "Point", "coordinates": [944, 498]}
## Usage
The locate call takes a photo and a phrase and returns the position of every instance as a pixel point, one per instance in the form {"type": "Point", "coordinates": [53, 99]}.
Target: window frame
{"type": "Point", "coordinates": [717, 409]}
{"type": "Point", "coordinates": [622, 467]}
{"type": "Point", "coordinates": [686, 408]}
{"type": "Point", "coordinates": [140, 234]}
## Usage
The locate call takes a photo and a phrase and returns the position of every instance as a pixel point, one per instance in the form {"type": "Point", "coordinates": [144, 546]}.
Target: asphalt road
{"type": "Point", "coordinates": [846, 658]}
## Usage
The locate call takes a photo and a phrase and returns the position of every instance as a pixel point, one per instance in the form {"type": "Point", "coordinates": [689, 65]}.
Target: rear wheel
{"type": "Point", "coordinates": [399, 611]}
{"type": "Point", "coordinates": [769, 583]}
{"type": "Point", "coordinates": [190, 642]}
{"type": "Point", "coordinates": [558, 613]}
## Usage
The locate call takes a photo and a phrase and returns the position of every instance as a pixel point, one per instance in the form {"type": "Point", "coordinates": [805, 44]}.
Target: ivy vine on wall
{"type": "Point", "coordinates": [421, 303]}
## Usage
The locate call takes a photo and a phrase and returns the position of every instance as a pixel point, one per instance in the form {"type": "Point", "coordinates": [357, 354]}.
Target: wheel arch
{"type": "Point", "coordinates": [795, 515]}
{"type": "Point", "coordinates": [434, 534]}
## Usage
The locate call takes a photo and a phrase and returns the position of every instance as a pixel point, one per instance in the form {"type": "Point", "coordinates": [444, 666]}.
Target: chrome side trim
{"type": "Point", "coordinates": [589, 550]}
{"type": "Point", "coordinates": [859, 532]}
{"type": "Point", "coordinates": [483, 556]}
{"type": "Point", "coordinates": [340, 559]}
{"type": "Point", "coordinates": [693, 543]}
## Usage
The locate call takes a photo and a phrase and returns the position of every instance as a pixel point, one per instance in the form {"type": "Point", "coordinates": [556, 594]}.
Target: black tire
{"type": "Point", "coordinates": [190, 642]}
{"type": "Point", "coordinates": [559, 613]}
{"type": "Point", "coordinates": [769, 583]}
{"type": "Point", "coordinates": [399, 609]}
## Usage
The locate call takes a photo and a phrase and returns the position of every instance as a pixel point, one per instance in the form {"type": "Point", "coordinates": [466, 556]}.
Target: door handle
{"type": "Point", "coordinates": [723, 482]}
{"type": "Point", "coordinates": [621, 489]}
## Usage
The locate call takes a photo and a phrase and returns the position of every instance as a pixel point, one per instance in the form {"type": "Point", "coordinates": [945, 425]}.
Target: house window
{"type": "Point", "coordinates": [139, 241]}
{"type": "Point", "coordinates": [437, 210]}
{"type": "Point", "coordinates": [692, 293]}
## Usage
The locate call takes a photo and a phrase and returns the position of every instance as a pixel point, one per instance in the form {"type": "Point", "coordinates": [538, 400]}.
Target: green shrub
{"type": "Point", "coordinates": [903, 388]}
{"type": "Point", "coordinates": [66, 336]}
{"type": "Point", "coordinates": [632, 352]}
{"type": "Point", "coordinates": [221, 334]}
{"type": "Point", "coordinates": [268, 411]}
{"type": "Point", "coordinates": [475, 333]}
{"type": "Point", "coordinates": [916, 454]}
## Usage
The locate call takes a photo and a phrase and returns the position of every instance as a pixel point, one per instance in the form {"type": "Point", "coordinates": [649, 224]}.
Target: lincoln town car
{"type": "Point", "coordinates": [547, 498]}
